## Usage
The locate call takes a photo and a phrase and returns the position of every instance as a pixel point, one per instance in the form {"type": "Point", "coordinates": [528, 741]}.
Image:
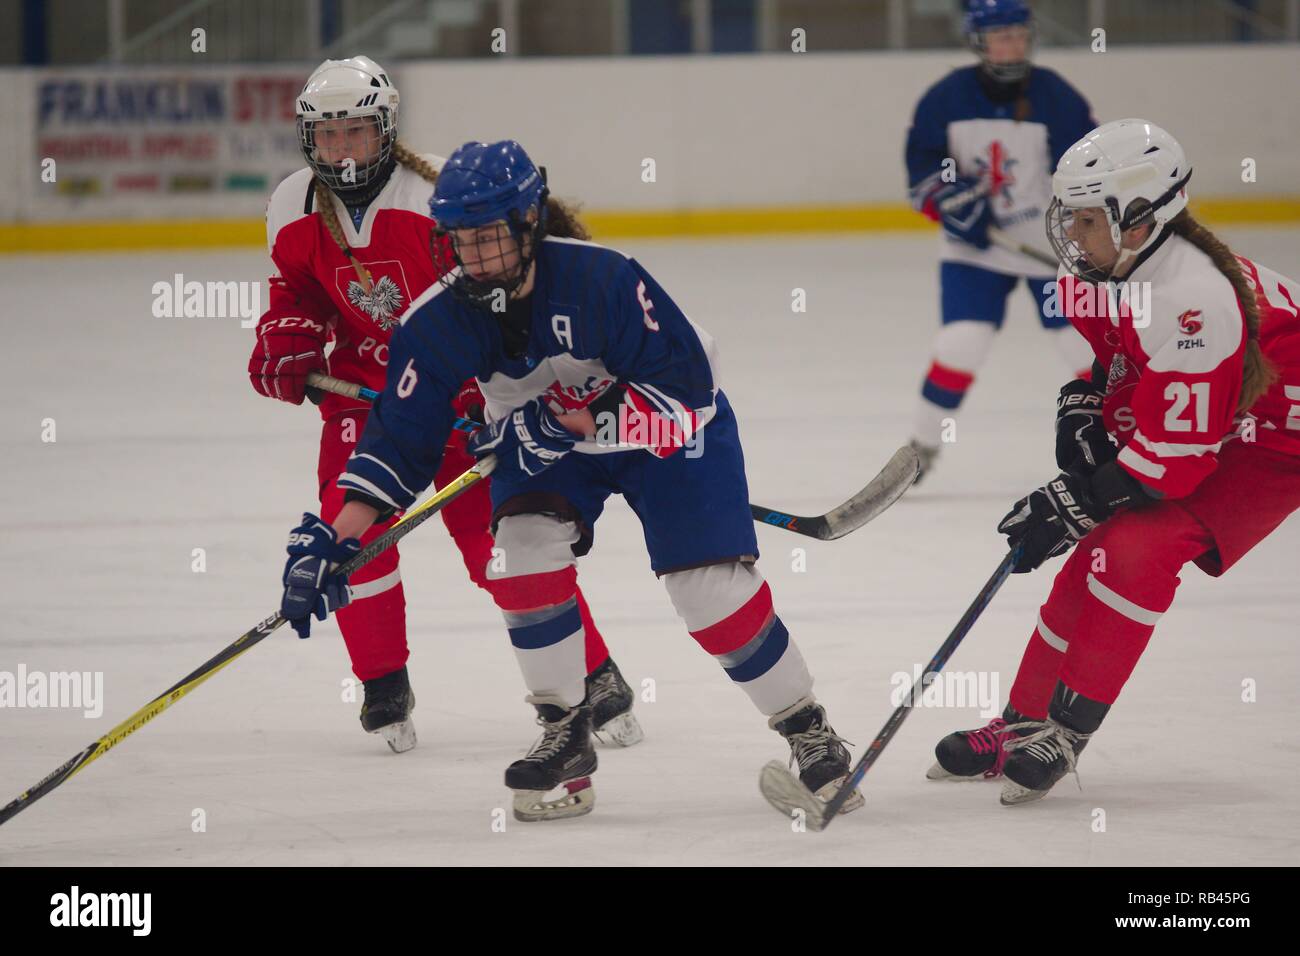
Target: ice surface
{"type": "Point", "coordinates": [162, 448]}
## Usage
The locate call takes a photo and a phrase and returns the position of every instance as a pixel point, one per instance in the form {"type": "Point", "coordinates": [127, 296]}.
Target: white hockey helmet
{"type": "Point", "coordinates": [345, 89]}
{"type": "Point", "coordinates": [1132, 170]}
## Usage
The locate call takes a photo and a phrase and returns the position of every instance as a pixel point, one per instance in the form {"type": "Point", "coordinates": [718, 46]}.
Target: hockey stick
{"type": "Point", "coordinates": [783, 789]}
{"type": "Point", "coordinates": [408, 523]}
{"type": "Point", "coordinates": [1000, 238]}
{"type": "Point", "coordinates": [887, 487]}
{"type": "Point", "coordinates": [894, 479]}
{"type": "Point", "coordinates": [328, 383]}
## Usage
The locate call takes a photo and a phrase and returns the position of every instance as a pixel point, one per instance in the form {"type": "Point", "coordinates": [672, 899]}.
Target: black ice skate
{"type": "Point", "coordinates": [820, 753]}
{"type": "Point", "coordinates": [610, 699]}
{"type": "Point", "coordinates": [928, 454]}
{"type": "Point", "coordinates": [562, 757]}
{"type": "Point", "coordinates": [975, 753]}
{"type": "Point", "coordinates": [387, 710]}
{"type": "Point", "coordinates": [1046, 750]}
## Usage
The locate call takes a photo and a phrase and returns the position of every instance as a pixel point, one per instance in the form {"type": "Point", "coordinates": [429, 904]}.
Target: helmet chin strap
{"type": "Point", "coordinates": [1151, 214]}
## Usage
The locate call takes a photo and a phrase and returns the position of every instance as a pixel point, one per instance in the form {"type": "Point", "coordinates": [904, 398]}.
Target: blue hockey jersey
{"type": "Point", "coordinates": [599, 321]}
{"type": "Point", "coordinates": [957, 119]}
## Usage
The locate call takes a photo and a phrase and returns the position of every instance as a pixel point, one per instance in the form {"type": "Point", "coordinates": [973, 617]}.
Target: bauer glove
{"type": "Point", "coordinates": [310, 584]}
{"type": "Point", "coordinates": [1082, 443]}
{"type": "Point", "coordinates": [526, 442]}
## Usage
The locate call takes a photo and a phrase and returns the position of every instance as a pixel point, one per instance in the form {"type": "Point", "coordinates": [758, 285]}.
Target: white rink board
{"type": "Point", "coordinates": [163, 447]}
{"type": "Point", "coordinates": [769, 130]}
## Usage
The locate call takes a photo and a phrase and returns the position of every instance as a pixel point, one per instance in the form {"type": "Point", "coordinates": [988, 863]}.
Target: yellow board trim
{"type": "Point", "coordinates": [102, 235]}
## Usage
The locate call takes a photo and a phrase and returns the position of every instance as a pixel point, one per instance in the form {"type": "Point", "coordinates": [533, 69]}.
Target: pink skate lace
{"type": "Point", "coordinates": [988, 740]}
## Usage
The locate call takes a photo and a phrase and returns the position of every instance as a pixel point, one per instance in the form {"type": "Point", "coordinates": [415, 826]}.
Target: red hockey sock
{"type": "Point", "coordinates": [374, 630]}
{"type": "Point", "coordinates": [597, 652]}
{"type": "Point", "coordinates": [374, 623]}
{"type": "Point", "coordinates": [1057, 620]}
{"type": "Point", "coordinates": [1036, 677]}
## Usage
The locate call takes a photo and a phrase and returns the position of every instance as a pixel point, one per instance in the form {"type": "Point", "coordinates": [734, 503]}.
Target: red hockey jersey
{"type": "Point", "coordinates": [317, 283]}
{"type": "Point", "coordinates": [1172, 337]}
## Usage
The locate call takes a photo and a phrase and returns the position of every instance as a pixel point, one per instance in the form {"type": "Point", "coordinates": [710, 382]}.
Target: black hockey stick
{"type": "Point", "coordinates": [996, 235]}
{"type": "Point", "coordinates": [887, 487]}
{"type": "Point", "coordinates": [882, 491]}
{"type": "Point", "coordinates": [783, 789]}
{"type": "Point", "coordinates": [408, 523]}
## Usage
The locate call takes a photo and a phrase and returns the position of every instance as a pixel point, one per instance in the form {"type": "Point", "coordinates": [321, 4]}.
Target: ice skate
{"type": "Point", "coordinates": [563, 757]}
{"type": "Point", "coordinates": [610, 699]}
{"type": "Point", "coordinates": [969, 754]}
{"type": "Point", "coordinates": [1044, 751]}
{"type": "Point", "coordinates": [387, 710]}
{"type": "Point", "coordinates": [819, 752]}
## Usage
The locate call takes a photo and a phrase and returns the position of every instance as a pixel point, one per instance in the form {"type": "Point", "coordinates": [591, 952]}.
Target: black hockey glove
{"type": "Point", "coordinates": [1082, 443]}
{"type": "Point", "coordinates": [1049, 520]}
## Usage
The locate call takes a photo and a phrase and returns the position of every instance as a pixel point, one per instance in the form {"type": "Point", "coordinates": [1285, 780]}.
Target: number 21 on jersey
{"type": "Point", "coordinates": [1181, 395]}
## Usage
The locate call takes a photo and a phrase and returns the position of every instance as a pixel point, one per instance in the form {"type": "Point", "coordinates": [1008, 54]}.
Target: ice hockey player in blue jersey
{"type": "Point", "coordinates": [980, 154]}
{"type": "Point", "coordinates": [596, 384]}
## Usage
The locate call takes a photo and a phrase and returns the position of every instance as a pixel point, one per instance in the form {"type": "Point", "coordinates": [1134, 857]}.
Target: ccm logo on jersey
{"type": "Point", "coordinates": [295, 321]}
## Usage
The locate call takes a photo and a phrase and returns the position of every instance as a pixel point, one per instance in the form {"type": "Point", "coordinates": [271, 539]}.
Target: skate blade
{"type": "Point", "coordinates": [621, 731]}
{"type": "Point", "coordinates": [532, 806]}
{"type": "Point", "coordinates": [936, 772]}
{"type": "Point", "coordinates": [1013, 795]}
{"type": "Point", "coordinates": [399, 736]}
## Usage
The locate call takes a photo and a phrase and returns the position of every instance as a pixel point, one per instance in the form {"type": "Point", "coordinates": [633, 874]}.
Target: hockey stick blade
{"type": "Point", "coordinates": [783, 790]}
{"type": "Point", "coordinates": [892, 483]}
{"type": "Point", "coordinates": [779, 785]}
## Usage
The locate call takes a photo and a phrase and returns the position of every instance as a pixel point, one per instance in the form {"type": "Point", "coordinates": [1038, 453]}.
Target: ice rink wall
{"type": "Point", "coordinates": [799, 142]}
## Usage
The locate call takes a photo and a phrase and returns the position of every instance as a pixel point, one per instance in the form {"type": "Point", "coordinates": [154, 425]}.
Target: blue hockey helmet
{"type": "Point", "coordinates": [482, 184]}
{"type": "Point", "coordinates": [984, 15]}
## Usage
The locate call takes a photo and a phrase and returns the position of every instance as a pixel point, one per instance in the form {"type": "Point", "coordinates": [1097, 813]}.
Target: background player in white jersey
{"type": "Point", "coordinates": [980, 154]}
{"type": "Point", "coordinates": [1200, 350]}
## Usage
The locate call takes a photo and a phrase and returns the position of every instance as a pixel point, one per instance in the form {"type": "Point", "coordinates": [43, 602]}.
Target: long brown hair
{"type": "Point", "coordinates": [561, 218]}
{"type": "Point", "coordinates": [1258, 373]}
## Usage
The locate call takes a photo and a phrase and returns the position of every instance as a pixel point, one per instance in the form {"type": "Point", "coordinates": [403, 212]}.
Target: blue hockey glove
{"type": "Point", "coordinates": [310, 584]}
{"type": "Point", "coordinates": [964, 210]}
{"type": "Point", "coordinates": [526, 442]}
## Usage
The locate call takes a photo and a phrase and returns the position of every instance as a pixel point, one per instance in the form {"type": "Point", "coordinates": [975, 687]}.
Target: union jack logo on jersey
{"type": "Point", "coordinates": [383, 303]}
{"type": "Point", "coordinates": [996, 170]}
